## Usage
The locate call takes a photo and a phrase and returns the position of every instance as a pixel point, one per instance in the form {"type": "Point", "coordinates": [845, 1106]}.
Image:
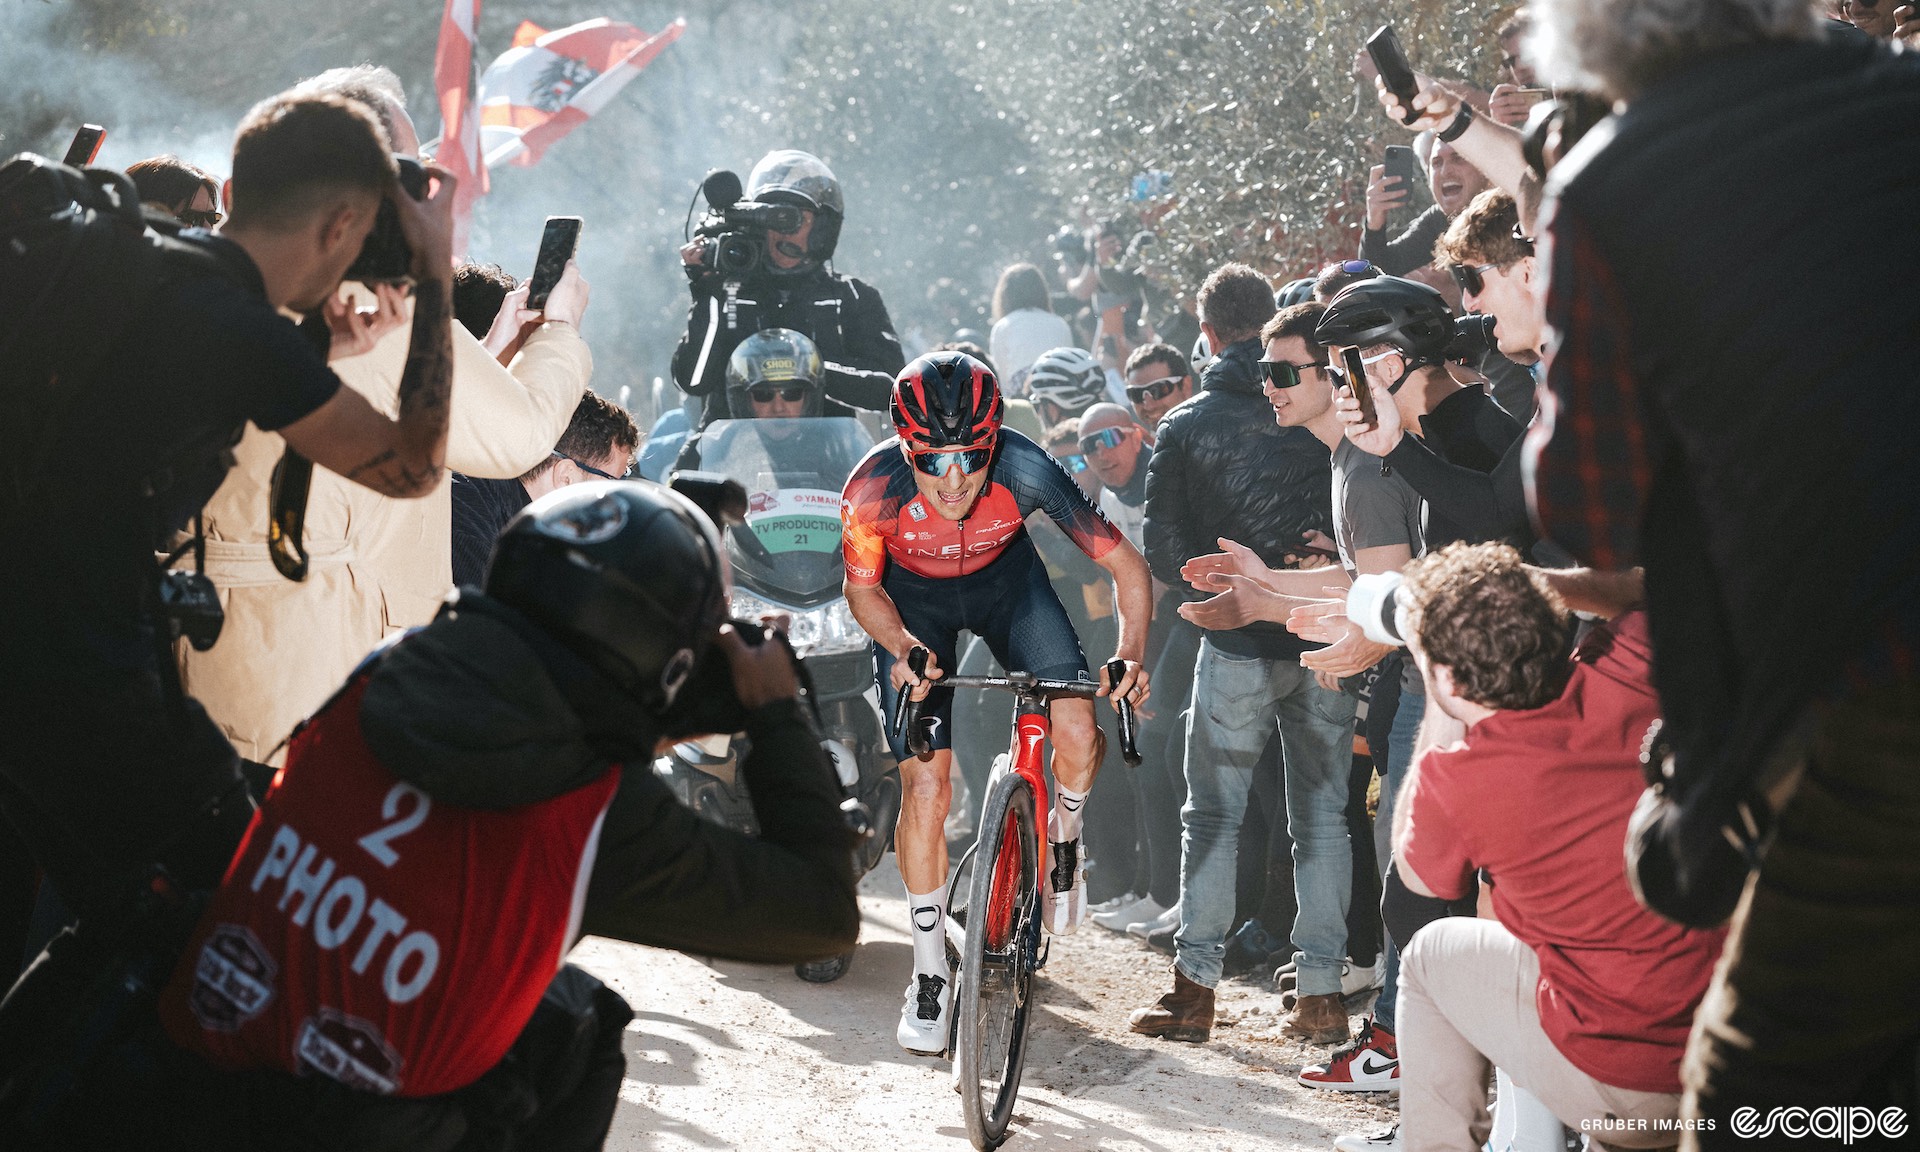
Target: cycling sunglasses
{"type": "Point", "coordinates": [583, 465]}
{"type": "Point", "coordinates": [767, 393]}
{"type": "Point", "coordinates": [1153, 389]}
{"type": "Point", "coordinates": [1103, 439]}
{"type": "Point", "coordinates": [937, 464]}
{"type": "Point", "coordinates": [1282, 374]}
{"type": "Point", "coordinates": [210, 218]}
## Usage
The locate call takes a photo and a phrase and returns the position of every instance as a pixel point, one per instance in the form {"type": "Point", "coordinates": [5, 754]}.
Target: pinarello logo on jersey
{"type": "Point", "coordinates": [347, 1049]}
{"type": "Point", "coordinates": [232, 980]}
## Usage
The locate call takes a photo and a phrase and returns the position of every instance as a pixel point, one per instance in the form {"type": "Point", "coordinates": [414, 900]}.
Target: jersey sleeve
{"type": "Point", "coordinates": [1037, 481]}
{"type": "Point", "coordinates": [866, 516]}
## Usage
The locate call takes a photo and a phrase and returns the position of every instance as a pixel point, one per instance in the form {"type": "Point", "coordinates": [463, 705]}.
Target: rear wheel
{"type": "Point", "coordinates": [996, 966]}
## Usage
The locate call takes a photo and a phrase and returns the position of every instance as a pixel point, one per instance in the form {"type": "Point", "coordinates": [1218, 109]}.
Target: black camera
{"type": "Point", "coordinates": [385, 257]}
{"type": "Point", "coordinates": [191, 606]}
{"type": "Point", "coordinates": [1473, 338]}
{"type": "Point", "coordinates": [1069, 247]}
{"type": "Point", "coordinates": [735, 230]}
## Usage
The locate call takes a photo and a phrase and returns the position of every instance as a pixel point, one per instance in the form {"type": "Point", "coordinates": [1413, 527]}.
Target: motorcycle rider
{"type": "Point", "coordinates": [791, 287]}
{"type": "Point", "coordinates": [775, 374]}
{"type": "Point", "coordinates": [359, 943]}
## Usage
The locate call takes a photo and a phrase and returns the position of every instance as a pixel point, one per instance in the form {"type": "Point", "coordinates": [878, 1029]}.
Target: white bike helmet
{"type": "Point", "coordinates": [1069, 377]}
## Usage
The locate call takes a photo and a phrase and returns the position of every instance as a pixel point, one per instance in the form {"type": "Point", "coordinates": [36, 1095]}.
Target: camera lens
{"type": "Point", "coordinates": [736, 254]}
{"type": "Point", "coordinates": [1473, 338]}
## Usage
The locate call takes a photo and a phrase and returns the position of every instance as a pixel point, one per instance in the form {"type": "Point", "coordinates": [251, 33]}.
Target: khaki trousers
{"type": "Point", "coordinates": [1467, 990]}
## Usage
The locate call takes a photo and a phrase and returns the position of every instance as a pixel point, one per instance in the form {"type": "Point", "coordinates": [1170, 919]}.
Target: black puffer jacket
{"type": "Point", "coordinates": [1222, 467]}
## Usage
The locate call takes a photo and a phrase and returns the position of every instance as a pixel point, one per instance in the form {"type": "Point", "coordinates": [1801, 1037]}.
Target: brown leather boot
{"type": "Point", "coordinates": [1186, 1013]}
{"type": "Point", "coordinates": [1318, 1019]}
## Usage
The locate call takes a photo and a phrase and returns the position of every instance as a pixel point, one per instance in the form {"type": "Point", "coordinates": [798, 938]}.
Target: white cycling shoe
{"type": "Point", "coordinates": [1063, 890]}
{"type": "Point", "coordinates": [925, 1015]}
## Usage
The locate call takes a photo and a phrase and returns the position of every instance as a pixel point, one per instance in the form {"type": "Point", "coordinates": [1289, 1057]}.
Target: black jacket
{"type": "Point", "coordinates": [1222, 467]}
{"type": "Point", "coordinates": [843, 316]}
{"type": "Point", "coordinates": [482, 709]}
{"type": "Point", "coordinates": [481, 507]}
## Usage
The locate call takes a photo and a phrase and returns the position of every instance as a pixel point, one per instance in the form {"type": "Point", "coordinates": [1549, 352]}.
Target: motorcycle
{"type": "Point", "coordinates": [787, 565]}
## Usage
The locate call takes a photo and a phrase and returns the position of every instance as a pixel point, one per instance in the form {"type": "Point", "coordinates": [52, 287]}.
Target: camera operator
{"type": "Point", "coordinates": [775, 374]}
{"type": "Point", "coordinates": [106, 769]}
{"type": "Point", "coordinates": [334, 996]}
{"type": "Point", "coordinates": [781, 280]}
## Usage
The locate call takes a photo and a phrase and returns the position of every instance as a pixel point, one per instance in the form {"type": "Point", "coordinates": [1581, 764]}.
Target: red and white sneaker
{"type": "Point", "coordinates": [1371, 1063]}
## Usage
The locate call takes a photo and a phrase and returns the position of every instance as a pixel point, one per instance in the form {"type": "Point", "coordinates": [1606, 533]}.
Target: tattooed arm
{"type": "Point", "coordinates": [403, 457]}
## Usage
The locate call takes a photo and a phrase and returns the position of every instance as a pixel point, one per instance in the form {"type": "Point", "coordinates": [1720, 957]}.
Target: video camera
{"type": "Point", "coordinates": [736, 230]}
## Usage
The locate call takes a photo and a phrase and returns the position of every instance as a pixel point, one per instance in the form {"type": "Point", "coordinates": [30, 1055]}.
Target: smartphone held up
{"type": "Point", "coordinates": [1356, 374]}
{"type": "Point", "coordinates": [1395, 71]}
{"type": "Point", "coordinates": [558, 241]}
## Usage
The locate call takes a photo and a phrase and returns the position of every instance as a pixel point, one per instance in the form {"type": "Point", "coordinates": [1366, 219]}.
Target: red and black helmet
{"type": "Point", "coordinates": [946, 400]}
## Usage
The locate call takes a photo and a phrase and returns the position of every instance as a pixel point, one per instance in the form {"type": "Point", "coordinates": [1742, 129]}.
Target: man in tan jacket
{"type": "Point", "coordinates": [378, 565]}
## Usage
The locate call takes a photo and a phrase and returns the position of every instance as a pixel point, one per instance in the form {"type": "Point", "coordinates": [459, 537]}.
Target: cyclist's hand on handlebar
{"type": "Point", "coordinates": [1133, 686]}
{"type": "Point", "coordinates": [902, 675]}
{"type": "Point", "coordinates": [762, 673]}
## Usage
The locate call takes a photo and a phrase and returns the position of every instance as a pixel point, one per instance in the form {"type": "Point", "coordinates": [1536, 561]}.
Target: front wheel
{"type": "Point", "coordinates": [996, 966]}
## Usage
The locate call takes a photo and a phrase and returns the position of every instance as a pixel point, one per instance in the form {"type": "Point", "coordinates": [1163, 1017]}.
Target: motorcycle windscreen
{"type": "Point", "coordinates": [793, 471]}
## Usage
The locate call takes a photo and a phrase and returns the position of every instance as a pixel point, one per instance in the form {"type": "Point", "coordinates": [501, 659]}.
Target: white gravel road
{"type": "Point", "coordinates": [732, 1056]}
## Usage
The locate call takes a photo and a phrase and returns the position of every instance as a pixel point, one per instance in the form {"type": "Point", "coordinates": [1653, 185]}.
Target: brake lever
{"type": "Point", "coordinates": [906, 710]}
{"type": "Point", "coordinates": [1123, 707]}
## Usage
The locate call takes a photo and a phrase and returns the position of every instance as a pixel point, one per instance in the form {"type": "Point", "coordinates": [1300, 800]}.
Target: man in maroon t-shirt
{"type": "Point", "coordinates": [1578, 993]}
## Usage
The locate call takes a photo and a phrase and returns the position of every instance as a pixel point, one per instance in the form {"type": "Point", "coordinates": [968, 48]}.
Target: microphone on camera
{"type": "Point", "coordinates": [721, 188]}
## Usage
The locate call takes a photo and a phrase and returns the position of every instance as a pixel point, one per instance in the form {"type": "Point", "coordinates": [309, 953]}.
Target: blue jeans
{"type": "Point", "coordinates": [1406, 729]}
{"type": "Point", "coordinates": [1236, 704]}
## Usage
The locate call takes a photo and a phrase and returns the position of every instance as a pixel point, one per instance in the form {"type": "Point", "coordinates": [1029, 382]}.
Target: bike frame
{"type": "Point", "coordinates": [1031, 728]}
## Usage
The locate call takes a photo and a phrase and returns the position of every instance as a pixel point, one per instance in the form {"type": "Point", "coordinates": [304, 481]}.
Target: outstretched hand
{"type": "Point", "coordinates": [1436, 106]}
{"type": "Point", "coordinates": [1234, 559]}
{"type": "Point", "coordinates": [1322, 621]}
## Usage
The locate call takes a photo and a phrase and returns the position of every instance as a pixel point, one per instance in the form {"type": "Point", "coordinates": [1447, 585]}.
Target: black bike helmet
{"type": "Point", "coordinates": [1294, 292]}
{"type": "Point", "coordinates": [775, 356]}
{"type": "Point", "coordinates": [1389, 310]}
{"type": "Point", "coordinates": [946, 400]}
{"type": "Point", "coordinates": [627, 574]}
{"type": "Point", "coordinates": [803, 180]}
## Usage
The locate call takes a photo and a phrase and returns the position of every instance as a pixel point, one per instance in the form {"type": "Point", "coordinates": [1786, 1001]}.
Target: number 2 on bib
{"type": "Point", "coordinates": [379, 842]}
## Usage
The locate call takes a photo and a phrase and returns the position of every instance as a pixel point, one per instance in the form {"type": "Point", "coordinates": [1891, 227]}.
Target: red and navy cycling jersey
{"type": "Point", "coordinates": [883, 515]}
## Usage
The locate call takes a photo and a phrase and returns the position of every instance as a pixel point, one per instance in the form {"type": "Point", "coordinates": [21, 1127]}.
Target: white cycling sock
{"type": "Point", "coordinates": [929, 914]}
{"type": "Point", "coordinates": [1066, 812]}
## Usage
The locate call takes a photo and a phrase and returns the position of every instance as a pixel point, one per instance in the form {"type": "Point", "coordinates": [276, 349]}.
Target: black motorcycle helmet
{"type": "Point", "coordinates": [775, 356]}
{"type": "Point", "coordinates": [627, 574]}
{"type": "Point", "coordinates": [790, 176]}
{"type": "Point", "coordinates": [1389, 310]}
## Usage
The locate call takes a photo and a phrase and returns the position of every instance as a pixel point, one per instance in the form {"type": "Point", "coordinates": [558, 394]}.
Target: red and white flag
{"type": "Point", "coordinates": [459, 147]}
{"type": "Point", "coordinates": [549, 83]}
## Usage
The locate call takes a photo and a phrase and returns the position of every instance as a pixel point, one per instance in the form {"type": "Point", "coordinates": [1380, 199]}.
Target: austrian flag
{"type": "Point", "coordinates": [548, 83]}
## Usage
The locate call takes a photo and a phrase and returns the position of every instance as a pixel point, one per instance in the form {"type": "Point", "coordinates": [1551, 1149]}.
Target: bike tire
{"type": "Point", "coordinates": [996, 975]}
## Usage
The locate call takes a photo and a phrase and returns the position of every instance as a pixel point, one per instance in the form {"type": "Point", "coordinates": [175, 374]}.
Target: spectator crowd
{"type": "Point", "coordinates": [1536, 600]}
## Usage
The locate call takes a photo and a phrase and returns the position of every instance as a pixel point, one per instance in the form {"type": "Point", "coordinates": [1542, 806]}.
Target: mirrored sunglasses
{"type": "Point", "coordinates": [1103, 439]}
{"type": "Point", "coordinates": [1074, 464]}
{"type": "Point", "coordinates": [968, 460]}
{"type": "Point", "coordinates": [1153, 389]}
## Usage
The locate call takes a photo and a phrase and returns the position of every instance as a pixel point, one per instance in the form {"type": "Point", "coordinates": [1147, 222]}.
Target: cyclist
{"type": "Point", "coordinates": [935, 542]}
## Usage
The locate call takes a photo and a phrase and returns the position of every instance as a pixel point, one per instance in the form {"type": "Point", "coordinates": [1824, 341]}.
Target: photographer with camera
{"type": "Point", "coordinates": [363, 979]}
{"type": "Point", "coordinates": [373, 566]}
{"type": "Point", "coordinates": [123, 789]}
{"type": "Point", "coordinates": [760, 260]}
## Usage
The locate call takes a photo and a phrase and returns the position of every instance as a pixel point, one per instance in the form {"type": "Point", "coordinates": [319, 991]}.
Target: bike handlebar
{"type": "Point", "coordinates": [906, 710]}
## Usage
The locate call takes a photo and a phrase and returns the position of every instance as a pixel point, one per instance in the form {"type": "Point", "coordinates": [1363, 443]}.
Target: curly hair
{"type": "Point", "coordinates": [1483, 234]}
{"type": "Point", "coordinates": [1503, 633]}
